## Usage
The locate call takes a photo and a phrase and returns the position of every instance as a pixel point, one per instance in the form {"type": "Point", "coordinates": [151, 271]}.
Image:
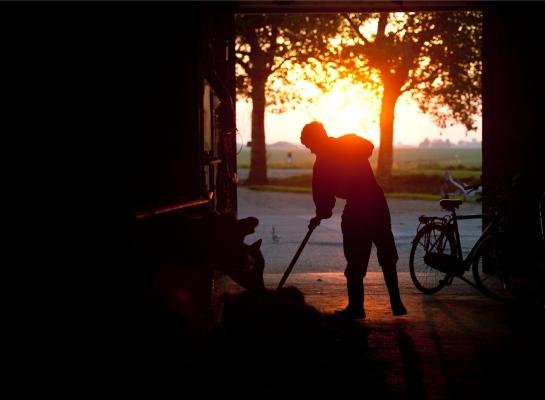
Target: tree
{"type": "Point", "coordinates": [266, 46]}
{"type": "Point", "coordinates": [435, 57]}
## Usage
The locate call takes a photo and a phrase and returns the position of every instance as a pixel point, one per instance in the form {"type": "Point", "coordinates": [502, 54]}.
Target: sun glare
{"type": "Point", "coordinates": [344, 108]}
{"type": "Point", "coordinates": [347, 108]}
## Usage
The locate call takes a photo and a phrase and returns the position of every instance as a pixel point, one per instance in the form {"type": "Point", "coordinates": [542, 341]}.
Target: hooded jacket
{"type": "Point", "coordinates": [342, 169]}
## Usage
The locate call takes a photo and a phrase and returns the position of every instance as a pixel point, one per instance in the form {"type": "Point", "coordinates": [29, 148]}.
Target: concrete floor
{"type": "Point", "coordinates": [456, 344]}
{"type": "Point", "coordinates": [289, 214]}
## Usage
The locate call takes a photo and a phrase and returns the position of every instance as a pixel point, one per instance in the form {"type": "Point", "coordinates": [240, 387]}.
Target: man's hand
{"type": "Point", "coordinates": [314, 222]}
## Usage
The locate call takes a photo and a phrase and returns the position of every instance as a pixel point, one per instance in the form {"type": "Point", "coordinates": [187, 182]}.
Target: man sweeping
{"type": "Point", "coordinates": [342, 170]}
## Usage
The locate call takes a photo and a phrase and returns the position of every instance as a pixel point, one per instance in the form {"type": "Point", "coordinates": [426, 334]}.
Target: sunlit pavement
{"type": "Point", "coordinates": [456, 344]}
{"type": "Point", "coordinates": [289, 214]}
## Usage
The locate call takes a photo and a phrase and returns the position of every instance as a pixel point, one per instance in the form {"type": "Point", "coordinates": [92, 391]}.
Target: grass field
{"type": "Point", "coordinates": [404, 158]}
{"type": "Point", "coordinates": [417, 173]}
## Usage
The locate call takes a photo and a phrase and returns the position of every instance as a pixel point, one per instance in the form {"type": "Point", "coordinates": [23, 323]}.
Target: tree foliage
{"type": "Point", "coordinates": [435, 57]}
{"type": "Point", "coordinates": [266, 46]}
{"type": "Point", "coordinates": [269, 46]}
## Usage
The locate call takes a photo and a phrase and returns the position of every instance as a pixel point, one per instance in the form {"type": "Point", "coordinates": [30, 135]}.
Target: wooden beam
{"type": "Point", "coordinates": [328, 6]}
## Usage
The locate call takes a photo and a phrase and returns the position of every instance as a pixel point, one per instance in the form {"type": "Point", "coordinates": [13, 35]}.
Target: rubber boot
{"type": "Point", "coordinates": [390, 277]}
{"type": "Point", "coordinates": [355, 309]}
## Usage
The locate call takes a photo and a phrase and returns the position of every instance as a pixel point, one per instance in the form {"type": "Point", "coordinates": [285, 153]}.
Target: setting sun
{"type": "Point", "coordinates": [348, 108]}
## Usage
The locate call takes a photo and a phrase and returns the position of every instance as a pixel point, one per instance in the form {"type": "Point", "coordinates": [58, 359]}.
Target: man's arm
{"type": "Point", "coordinates": [323, 189]}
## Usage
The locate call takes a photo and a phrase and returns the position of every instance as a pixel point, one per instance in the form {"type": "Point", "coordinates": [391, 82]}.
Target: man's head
{"type": "Point", "coordinates": [314, 136]}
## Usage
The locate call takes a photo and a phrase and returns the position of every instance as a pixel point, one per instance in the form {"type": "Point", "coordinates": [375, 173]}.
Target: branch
{"type": "Point", "coordinates": [411, 84]}
{"type": "Point", "coordinates": [400, 29]}
{"type": "Point", "coordinates": [294, 35]}
{"type": "Point", "coordinates": [274, 69]}
{"type": "Point", "coordinates": [274, 34]}
{"type": "Point", "coordinates": [244, 65]}
{"type": "Point", "coordinates": [253, 42]}
{"type": "Point", "coordinates": [245, 53]}
{"type": "Point", "coordinates": [409, 22]}
{"type": "Point", "coordinates": [381, 28]}
{"type": "Point", "coordinates": [355, 28]}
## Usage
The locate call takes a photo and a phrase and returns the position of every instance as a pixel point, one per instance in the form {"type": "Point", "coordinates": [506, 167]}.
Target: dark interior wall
{"type": "Point", "coordinates": [106, 104]}
{"type": "Point", "coordinates": [161, 57]}
{"type": "Point", "coordinates": [156, 76]}
{"type": "Point", "coordinates": [109, 97]}
{"type": "Point", "coordinates": [219, 72]}
{"type": "Point", "coordinates": [162, 54]}
{"type": "Point", "coordinates": [513, 83]}
{"type": "Point", "coordinates": [157, 59]}
{"type": "Point", "coordinates": [513, 87]}
{"type": "Point", "coordinates": [156, 87]}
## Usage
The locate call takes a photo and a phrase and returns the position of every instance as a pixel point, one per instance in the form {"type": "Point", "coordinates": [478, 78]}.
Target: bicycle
{"type": "Point", "coordinates": [436, 256]}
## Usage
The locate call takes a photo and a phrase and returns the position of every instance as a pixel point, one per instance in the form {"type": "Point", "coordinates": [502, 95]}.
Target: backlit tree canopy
{"type": "Point", "coordinates": [266, 45]}
{"type": "Point", "coordinates": [435, 57]}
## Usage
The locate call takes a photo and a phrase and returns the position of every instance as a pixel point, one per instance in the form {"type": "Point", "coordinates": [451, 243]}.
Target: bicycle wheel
{"type": "Point", "coordinates": [491, 271]}
{"type": "Point", "coordinates": [435, 240]}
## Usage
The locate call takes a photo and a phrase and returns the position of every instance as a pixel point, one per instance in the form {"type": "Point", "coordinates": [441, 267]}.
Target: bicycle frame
{"type": "Point", "coordinates": [452, 223]}
{"type": "Point", "coordinates": [490, 256]}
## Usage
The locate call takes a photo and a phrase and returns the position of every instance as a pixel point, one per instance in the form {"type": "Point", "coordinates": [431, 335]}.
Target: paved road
{"type": "Point", "coordinates": [289, 213]}
{"type": "Point", "coordinates": [274, 173]}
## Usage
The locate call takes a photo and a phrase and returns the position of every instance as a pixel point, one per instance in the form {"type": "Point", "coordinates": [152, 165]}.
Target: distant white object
{"type": "Point", "coordinates": [283, 145]}
{"type": "Point", "coordinates": [467, 191]}
{"type": "Point", "coordinates": [275, 237]}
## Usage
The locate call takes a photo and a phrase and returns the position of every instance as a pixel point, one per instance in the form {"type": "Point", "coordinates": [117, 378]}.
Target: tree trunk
{"type": "Point", "coordinates": [258, 162]}
{"type": "Point", "coordinates": [386, 149]}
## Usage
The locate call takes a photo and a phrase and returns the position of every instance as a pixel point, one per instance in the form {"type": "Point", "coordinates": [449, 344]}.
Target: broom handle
{"type": "Point", "coordinates": [295, 257]}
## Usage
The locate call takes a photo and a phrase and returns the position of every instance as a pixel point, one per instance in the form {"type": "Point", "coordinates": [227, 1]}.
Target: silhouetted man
{"type": "Point", "coordinates": [342, 169]}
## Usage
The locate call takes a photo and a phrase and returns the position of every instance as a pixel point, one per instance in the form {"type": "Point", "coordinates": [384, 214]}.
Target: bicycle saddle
{"type": "Point", "coordinates": [450, 204]}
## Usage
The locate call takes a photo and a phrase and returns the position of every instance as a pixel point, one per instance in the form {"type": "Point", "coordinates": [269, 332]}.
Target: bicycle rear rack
{"type": "Point", "coordinates": [424, 220]}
